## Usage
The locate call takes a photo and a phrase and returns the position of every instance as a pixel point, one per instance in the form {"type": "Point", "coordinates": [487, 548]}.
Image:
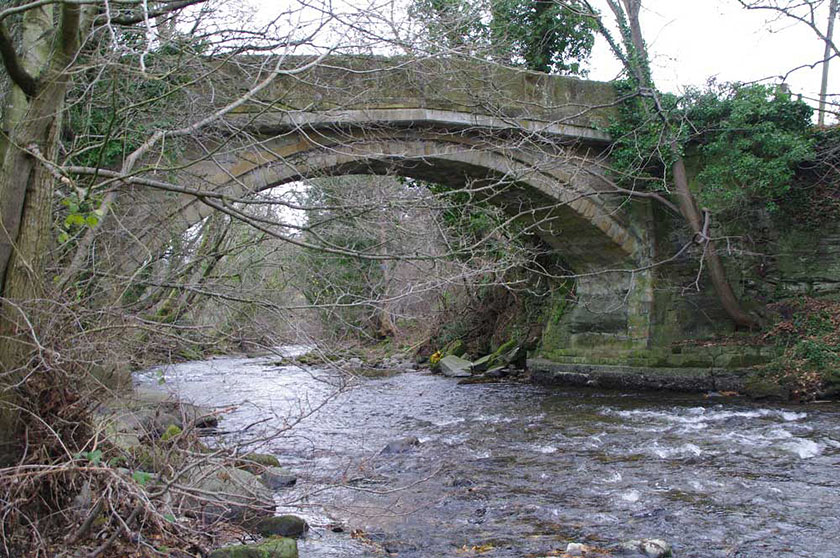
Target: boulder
{"type": "Point", "coordinates": [496, 372]}
{"type": "Point", "coordinates": [154, 422]}
{"type": "Point", "coordinates": [275, 547]}
{"type": "Point", "coordinates": [483, 363]}
{"type": "Point", "coordinates": [276, 478]}
{"type": "Point", "coordinates": [155, 458]}
{"type": "Point", "coordinates": [455, 367]}
{"type": "Point", "coordinates": [200, 417]}
{"type": "Point", "coordinates": [281, 525]}
{"type": "Point", "coordinates": [405, 366]}
{"type": "Point", "coordinates": [401, 446]}
{"type": "Point", "coordinates": [214, 492]}
{"type": "Point", "coordinates": [515, 357]}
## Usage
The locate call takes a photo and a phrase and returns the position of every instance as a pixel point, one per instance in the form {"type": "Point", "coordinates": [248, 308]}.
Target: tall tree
{"type": "Point", "coordinates": [40, 66]}
{"type": "Point", "coordinates": [827, 56]}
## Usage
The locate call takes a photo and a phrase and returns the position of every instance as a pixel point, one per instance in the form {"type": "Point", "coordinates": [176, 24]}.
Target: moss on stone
{"type": "Point", "coordinates": [171, 432]}
{"type": "Point", "coordinates": [275, 547]}
{"type": "Point", "coordinates": [455, 347]}
{"type": "Point", "coordinates": [256, 462]}
{"type": "Point", "coordinates": [281, 525]}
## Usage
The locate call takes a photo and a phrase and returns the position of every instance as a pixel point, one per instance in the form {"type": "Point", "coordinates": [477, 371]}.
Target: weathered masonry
{"type": "Point", "coordinates": [455, 124]}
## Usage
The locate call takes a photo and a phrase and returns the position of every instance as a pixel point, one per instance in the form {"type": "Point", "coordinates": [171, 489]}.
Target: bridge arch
{"type": "Point", "coordinates": [549, 182]}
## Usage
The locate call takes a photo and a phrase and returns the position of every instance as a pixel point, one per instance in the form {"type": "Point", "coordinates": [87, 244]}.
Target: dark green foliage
{"type": "Point", "coordinates": [477, 226]}
{"type": "Point", "coordinates": [744, 143]}
{"type": "Point", "coordinates": [639, 154]}
{"type": "Point", "coordinates": [749, 141]}
{"type": "Point", "coordinates": [540, 35]}
{"type": "Point", "coordinates": [814, 198]}
{"type": "Point", "coordinates": [110, 117]}
{"type": "Point", "coordinates": [343, 287]}
{"type": "Point", "coordinates": [453, 24]}
{"type": "Point", "coordinates": [110, 114]}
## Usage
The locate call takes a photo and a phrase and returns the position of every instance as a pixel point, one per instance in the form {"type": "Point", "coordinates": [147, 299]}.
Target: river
{"type": "Point", "coordinates": [515, 470]}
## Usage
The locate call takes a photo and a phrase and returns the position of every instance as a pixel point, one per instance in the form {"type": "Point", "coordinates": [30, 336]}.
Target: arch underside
{"type": "Point", "coordinates": [549, 185]}
{"type": "Point", "coordinates": [555, 187]}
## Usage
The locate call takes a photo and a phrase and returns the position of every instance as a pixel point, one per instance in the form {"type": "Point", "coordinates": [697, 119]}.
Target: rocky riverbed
{"type": "Point", "coordinates": [416, 465]}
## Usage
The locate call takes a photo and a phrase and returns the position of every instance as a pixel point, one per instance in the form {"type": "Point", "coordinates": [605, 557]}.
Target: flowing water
{"type": "Point", "coordinates": [513, 470]}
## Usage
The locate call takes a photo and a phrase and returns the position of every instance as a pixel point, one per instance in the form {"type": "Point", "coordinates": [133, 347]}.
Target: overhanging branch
{"type": "Point", "coordinates": [12, 63]}
{"type": "Point", "coordinates": [162, 10]}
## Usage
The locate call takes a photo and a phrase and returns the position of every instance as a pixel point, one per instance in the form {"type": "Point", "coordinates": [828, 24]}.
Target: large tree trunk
{"type": "Point", "coordinates": [30, 184]}
{"type": "Point", "coordinates": [717, 273]}
{"type": "Point", "coordinates": [31, 125]}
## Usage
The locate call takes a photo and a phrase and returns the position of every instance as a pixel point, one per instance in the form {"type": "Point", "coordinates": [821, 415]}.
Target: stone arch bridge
{"type": "Point", "coordinates": [456, 123]}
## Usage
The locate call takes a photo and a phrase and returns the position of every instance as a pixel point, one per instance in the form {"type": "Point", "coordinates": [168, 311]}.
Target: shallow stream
{"type": "Point", "coordinates": [515, 470]}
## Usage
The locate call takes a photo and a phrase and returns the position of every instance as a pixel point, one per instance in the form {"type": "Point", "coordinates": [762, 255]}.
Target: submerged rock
{"type": "Point", "coordinates": [455, 367]}
{"type": "Point", "coordinates": [496, 372]}
{"type": "Point", "coordinates": [282, 525]}
{"type": "Point", "coordinates": [648, 548]}
{"type": "Point", "coordinates": [401, 446]}
{"type": "Point", "coordinates": [275, 547]}
{"type": "Point", "coordinates": [577, 549]}
{"type": "Point", "coordinates": [395, 547]}
{"type": "Point", "coordinates": [278, 477]}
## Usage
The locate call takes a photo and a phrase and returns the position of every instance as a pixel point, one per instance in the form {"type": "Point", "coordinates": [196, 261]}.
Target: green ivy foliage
{"type": "Point", "coordinates": [743, 143]}
{"type": "Point", "coordinates": [749, 141]}
{"type": "Point", "coordinates": [639, 155]}
{"type": "Point", "coordinates": [541, 35]}
{"type": "Point", "coordinates": [116, 112]}
{"type": "Point", "coordinates": [111, 113]}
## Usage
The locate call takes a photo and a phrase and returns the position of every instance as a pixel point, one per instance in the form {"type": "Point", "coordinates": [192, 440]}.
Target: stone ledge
{"type": "Point", "coordinates": [636, 377]}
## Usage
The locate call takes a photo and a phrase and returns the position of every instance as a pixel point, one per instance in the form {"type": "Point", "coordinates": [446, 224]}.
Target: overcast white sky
{"type": "Point", "coordinates": [693, 40]}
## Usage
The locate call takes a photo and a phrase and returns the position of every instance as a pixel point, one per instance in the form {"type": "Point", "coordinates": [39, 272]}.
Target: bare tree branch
{"type": "Point", "coordinates": [14, 66]}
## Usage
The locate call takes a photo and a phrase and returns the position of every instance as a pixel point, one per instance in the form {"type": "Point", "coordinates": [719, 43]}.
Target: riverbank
{"type": "Point", "coordinates": [217, 495]}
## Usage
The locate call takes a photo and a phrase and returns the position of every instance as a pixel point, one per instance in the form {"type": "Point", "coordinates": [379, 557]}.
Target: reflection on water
{"type": "Point", "coordinates": [525, 469]}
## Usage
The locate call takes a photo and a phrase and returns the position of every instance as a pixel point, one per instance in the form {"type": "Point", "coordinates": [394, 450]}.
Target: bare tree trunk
{"type": "Point", "coordinates": [25, 204]}
{"type": "Point", "coordinates": [832, 15]}
{"type": "Point", "coordinates": [386, 328]}
{"type": "Point", "coordinates": [32, 124]}
{"type": "Point", "coordinates": [717, 273]}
